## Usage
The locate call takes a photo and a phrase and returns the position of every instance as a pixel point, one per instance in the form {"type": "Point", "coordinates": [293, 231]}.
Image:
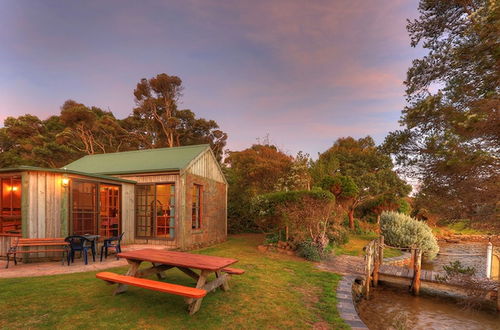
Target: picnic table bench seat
{"type": "Point", "coordinates": [48, 243]}
{"type": "Point", "coordinates": [144, 283]}
{"type": "Point", "coordinates": [233, 271]}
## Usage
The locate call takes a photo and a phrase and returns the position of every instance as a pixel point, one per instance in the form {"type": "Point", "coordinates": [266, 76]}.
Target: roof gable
{"type": "Point", "coordinates": [139, 161]}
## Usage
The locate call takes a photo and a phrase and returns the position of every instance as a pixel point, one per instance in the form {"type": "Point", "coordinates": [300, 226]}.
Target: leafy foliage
{"type": "Point", "coordinates": [82, 130]}
{"type": "Point", "coordinates": [450, 140]}
{"type": "Point", "coordinates": [310, 251]}
{"type": "Point", "coordinates": [357, 171]}
{"type": "Point", "coordinates": [167, 126]}
{"type": "Point", "coordinates": [401, 230]}
{"type": "Point", "coordinates": [259, 169]}
{"type": "Point", "coordinates": [307, 215]}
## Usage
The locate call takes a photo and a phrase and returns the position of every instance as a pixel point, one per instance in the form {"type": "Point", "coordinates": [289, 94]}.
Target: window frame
{"type": "Point", "coordinates": [98, 204]}
{"type": "Point", "coordinates": [199, 209]}
{"type": "Point", "coordinates": [11, 204]}
{"type": "Point", "coordinates": [155, 220]}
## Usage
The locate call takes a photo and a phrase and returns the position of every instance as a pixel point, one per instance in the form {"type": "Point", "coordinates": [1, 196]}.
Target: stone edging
{"type": "Point", "coordinates": [346, 305]}
{"type": "Point", "coordinates": [398, 261]}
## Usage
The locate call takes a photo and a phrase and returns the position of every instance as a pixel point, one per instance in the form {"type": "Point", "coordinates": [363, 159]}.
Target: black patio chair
{"type": "Point", "coordinates": [82, 244]}
{"type": "Point", "coordinates": [112, 242]}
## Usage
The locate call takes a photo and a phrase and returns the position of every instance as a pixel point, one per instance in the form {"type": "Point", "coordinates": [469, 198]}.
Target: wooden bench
{"type": "Point", "coordinates": [50, 245]}
{"type": "Point", "coordinates": [144, 283]}
{"type": "Point", "coordinates": [233, 271]}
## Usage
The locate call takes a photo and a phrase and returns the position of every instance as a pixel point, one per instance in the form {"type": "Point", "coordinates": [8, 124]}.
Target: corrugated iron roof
{"type": "Point", "coordinates": [138, 161]}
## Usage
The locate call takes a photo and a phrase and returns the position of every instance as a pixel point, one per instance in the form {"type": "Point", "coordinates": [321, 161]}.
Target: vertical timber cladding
{"type": "Point", "coordinates": [128, 212]}
{"type": "Point", "coordinates": [43, 204]}
{"type": "Point", "coordinates": [129, 221]}
{"type": "Point", "coordinates": [205, 171]}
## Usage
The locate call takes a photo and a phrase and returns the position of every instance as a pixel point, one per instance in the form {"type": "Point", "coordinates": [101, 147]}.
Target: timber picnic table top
{"type": "Point", "coordinates": [179, 259]}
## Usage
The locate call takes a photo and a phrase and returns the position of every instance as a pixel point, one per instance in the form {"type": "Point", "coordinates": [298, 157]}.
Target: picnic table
{"type": "Point", "coordinates": [197, 266]}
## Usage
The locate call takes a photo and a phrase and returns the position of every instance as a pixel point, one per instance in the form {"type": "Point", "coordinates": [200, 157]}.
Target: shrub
{"type": "Point", "coordinates": [404, 231]}
{"type": "Point", "coordinates": [310, 251]}
{"type": "Point", "coordinates": [271, 209]}
{"type": "Point", "coordinates": [338, 235]}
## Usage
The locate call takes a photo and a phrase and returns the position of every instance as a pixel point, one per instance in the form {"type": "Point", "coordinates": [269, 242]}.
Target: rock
{"type": "Point", "coordinates": [451, 240]}
{"type": "Point", "coordinates": [262, 248]}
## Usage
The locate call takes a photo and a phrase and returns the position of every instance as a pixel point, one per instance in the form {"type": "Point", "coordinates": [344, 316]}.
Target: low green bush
{"type": "Point", "coordinates": [402, 230]}
{"type": "Point", "coordinates": [310, 251]}
{"type": "Point", "coordinates": [338, 235]}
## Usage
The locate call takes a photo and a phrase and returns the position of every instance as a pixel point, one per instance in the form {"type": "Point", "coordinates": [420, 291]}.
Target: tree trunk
{"type": "Point", "coordinates": [351, 218]}
{"type": "Point", "coordinates": [378, 223]}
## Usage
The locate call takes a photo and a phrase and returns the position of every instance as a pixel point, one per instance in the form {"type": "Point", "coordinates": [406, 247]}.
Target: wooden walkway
{"type": "Point", "coordinates": [413, 275]}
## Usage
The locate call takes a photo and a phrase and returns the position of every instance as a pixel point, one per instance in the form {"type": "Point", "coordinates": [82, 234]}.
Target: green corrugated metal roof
{"type": "Point", "coordinates": [138, 161]}
{"type": "Point", "coordinates": [57, 170]}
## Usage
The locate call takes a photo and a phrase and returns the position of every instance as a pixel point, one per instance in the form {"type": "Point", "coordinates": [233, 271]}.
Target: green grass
{"type": "Point", "coordinates": [463, 228]}
{"type": "Point", "coordinates": [276, 291]}
{"type": "Point", "coordinates": [356, 244]}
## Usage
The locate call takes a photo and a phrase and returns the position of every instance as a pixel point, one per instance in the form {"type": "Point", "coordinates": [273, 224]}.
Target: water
{"type": "Point", "coordinates": [478, 262]}
{"type": "Point", "coordinates": [394, 308]}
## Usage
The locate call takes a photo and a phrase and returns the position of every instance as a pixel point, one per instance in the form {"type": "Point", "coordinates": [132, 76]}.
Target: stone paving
{"type": "Point", "coordinates": [54, 268]}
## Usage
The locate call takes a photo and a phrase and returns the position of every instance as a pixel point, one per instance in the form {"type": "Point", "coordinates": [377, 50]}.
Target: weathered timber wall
{"type": "Point", "coordinates": [205, 165]}
{"type": "Point", "coordinates": [213, 213]}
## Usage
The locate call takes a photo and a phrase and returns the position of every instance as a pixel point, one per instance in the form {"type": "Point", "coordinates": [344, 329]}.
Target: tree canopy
{"type": "Point", "coordinates": [84, 130]}
{"type": "Point", "coordinates": [450, 141]}
{"type": "Point", "coordinates": [356, 171]}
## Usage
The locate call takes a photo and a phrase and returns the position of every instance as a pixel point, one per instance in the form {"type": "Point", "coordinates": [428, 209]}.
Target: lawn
{"type": "Point", "coordinates": [357, 242]}
{"type": "Point", "coordinates": [277, 291]}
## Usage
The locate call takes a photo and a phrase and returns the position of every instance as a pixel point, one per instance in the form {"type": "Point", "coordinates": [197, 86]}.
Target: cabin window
{"type": "Point", "coordinates": [109, 197]}
{"type": "Point", "coordinates": [10, 206]}
{"type": "Point", "coordinates": [84, 211]}
{"type": "Point", "coordinates": [95, 209]}
{"type": "Point", "coordinates": [196, 194]}
{"type": "Point", "coordinates": [155, 210]}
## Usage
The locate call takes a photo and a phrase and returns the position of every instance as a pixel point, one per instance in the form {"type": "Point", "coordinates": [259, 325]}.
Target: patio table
{"type": "Point", "coordinates": [93, 239]}
{"type": "Point", "coordinates": [197, 266]}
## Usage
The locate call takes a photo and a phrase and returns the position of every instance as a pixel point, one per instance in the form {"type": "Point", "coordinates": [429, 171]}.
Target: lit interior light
{"type": "Point", "coordinates": [65, 181]}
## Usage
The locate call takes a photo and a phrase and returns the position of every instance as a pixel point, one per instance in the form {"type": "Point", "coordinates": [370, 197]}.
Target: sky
{"type": "Point", "coordinates": [303, 72]}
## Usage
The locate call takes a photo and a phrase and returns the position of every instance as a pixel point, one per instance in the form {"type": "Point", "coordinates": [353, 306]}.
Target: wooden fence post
{"type": "Point", "coordinates": [417, 267]}
{"type": "Point", "coordinates": [368, 268]}
{"type": "Point", "coordinates": [381, 249]}
{"type": "Point", "coordinates": [489, 258]}
{"type": "Point", "coordinates": [378, 258]}
{"type": "Point", "coordinates": [412, 257]}
{"type": "Point", "coordinates": [376, 264]}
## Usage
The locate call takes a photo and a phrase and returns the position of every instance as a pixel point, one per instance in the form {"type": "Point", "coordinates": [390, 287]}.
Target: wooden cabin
{"type": "Point", "coordinates": [172, 197]}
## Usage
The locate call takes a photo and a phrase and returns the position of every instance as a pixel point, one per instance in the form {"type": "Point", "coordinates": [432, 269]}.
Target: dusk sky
{"type": "Point", "coordinates": [304, 72]}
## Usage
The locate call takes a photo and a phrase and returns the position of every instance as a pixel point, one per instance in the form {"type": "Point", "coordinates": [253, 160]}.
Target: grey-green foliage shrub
{"type": "Point", "coordinates": [402, 230]}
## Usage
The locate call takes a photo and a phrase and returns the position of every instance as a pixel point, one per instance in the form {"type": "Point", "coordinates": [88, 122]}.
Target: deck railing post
{"type": "Point", "coordinates": [381, 249]}
{"type": "Point", "coordinates": [417, 267]}
{"type": "Point", "coordinates": [368, 268]}
{"type": "Point", "coordinates": [489, 257]}
{"type": "Point", "coordinates": [412, 257]}
{"type": "Point", "coordinates": [376, 262]}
